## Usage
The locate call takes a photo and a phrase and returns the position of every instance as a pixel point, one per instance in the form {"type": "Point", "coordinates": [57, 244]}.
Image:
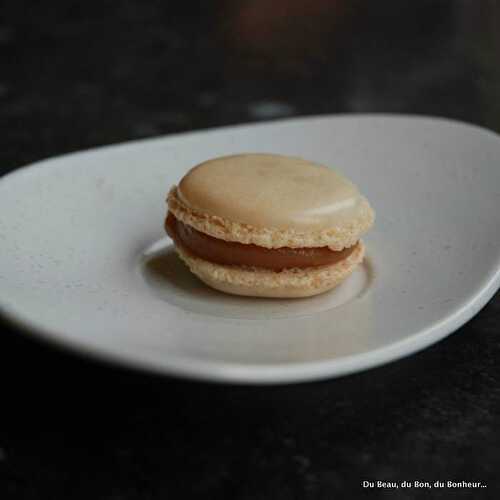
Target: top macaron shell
{"type": "Point", "coordinates": [271, 201]}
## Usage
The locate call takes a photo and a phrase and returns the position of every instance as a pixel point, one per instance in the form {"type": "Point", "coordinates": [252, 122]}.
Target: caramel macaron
{"type": "Point", "coordinates": [267, 225]}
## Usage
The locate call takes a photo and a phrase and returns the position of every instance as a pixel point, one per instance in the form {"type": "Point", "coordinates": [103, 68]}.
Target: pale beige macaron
{"type": "Point", "coordinates": [268, 225]}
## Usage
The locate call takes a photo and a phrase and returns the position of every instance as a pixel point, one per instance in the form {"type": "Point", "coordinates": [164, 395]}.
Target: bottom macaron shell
{"type": "Point", "coordinates": [258, 282]}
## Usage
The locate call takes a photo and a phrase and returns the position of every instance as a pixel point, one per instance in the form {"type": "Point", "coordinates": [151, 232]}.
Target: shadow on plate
{"type": "Point", "coordinates": [170, 280]}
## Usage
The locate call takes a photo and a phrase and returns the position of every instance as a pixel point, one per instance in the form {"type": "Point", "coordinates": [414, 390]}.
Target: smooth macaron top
{"type": "Point", "coordinates": [271, 191]}
{"type": "Point", "coordinates": [273, 201]}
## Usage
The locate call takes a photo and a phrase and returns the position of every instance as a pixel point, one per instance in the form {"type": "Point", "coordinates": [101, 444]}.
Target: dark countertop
{"type": "Point", "coordinates": [75, 75]}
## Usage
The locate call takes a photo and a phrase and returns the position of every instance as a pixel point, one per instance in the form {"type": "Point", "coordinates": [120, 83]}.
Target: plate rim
{"type": "Point", "coordinates": [314, 117]}
{"type": "Point", "coordinates": [265, 374]}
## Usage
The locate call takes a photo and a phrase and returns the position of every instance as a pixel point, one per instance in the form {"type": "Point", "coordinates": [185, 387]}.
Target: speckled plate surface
{"type": "Point", "coordinates": [84, 261]}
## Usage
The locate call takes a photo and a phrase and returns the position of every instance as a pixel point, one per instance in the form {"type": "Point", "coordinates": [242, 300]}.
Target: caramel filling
{"type": "Point", "coordinates": [238, 254]}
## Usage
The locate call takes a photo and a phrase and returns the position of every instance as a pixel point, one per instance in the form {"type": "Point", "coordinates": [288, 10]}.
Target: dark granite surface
{"type": "Point", "coordinates": [77, 74]}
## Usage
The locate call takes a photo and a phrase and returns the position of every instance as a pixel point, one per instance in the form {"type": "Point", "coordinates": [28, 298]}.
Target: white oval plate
{"type": "Point", "coordinates": [84, 261]}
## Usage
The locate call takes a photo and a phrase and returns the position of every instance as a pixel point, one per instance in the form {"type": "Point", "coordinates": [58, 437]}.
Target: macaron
{"type": "Point", "coordinates": [266, 225]}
